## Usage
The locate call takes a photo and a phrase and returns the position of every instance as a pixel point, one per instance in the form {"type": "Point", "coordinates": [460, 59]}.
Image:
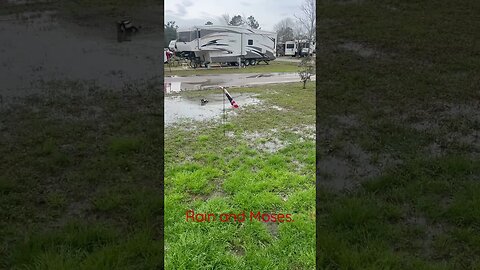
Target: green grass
{"type": "Point", "coordinates": [274, 66]}
{"type": "Point", "coordinates": [419, 210]}
{"type": "Point", "coordinates": [80, 190]}
{"type": "Point", "coordinates": [210, 173]}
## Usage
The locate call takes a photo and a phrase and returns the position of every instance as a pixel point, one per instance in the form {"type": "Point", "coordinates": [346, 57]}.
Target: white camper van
{"type": "Point", "coordinates": [225, 44]}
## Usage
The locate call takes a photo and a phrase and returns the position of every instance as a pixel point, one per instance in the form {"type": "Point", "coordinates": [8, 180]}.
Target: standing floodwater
{"type": "Point", "coordinates": [178, 108]}
{"type": "Point", "coordinates": [40, 46]}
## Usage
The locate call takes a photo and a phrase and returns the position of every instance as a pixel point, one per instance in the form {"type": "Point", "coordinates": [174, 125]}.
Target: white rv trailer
{"type": "Point", "coordinates": [291, 48]}
{"type": "Point", "coordinates": [299, 48]}
{"type": "Point", "coordinates": [226, 44]}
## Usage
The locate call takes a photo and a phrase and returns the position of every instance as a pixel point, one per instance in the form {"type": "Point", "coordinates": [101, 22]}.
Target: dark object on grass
{"type": "Point", "coordinates": [125, 29]}
{"type": "Point", "coordinates": [203, 101]}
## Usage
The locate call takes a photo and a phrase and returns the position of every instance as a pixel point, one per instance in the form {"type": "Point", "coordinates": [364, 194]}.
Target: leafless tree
{"type": "Point", "coordinates": [308, 18]}
{"type": "Point", "coordinates": [225, 18]}
{"type": "Point", "coordinates": [283, 24]}
{"type": "Point", "coordinates": [285, 30]}
{"type": "Point", "coordinates": [300, 32]}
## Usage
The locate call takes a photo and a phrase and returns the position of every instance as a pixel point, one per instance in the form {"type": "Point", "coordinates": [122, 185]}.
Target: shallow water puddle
{"type": "Point", "coordinates": [178, 108]}
{"type": "Point", "coordinates": [39, 46]}
{"type": "Point", "coordinates": [212, 81]}
{"type": "Point", "coordinates": [359, 49]}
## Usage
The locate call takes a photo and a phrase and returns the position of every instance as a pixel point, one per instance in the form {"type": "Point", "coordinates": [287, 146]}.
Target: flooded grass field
{"type": "Point", "coordinates": [81, 125]}
{"type": "Point", "coordinates": [398, 135]}
{"type": "Point", "coordinates": [262, 159]}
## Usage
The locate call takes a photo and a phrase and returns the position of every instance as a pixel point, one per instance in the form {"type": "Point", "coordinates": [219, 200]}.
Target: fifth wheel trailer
{"type": "Point", "coordinates": [225, 44]}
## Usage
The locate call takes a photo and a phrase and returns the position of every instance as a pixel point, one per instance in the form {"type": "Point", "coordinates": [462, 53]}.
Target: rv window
{"type": "Point", "coordinates": [290, 46]}
{"type": "Point", "coordinates": [184, 37]}
{"type": "Point", "coordinates": [250, 42]}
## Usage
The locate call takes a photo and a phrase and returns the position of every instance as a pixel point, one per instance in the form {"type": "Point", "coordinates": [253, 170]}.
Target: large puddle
{"type": "Point", "coordinates": [179, 108]}
{"type": "Point", "coordinates": [211, 81]}
{"type": "Point", "coordinates": [38, 46]}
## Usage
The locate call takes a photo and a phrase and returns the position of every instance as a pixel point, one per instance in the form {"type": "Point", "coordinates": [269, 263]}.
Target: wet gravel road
{"type": "Point", "coordinates": [199, 82]}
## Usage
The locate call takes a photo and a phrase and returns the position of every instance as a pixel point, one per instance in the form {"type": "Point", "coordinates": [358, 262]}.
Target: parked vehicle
{"type": "Point", "coordinates": [290, 48]}
{"type": "Point", "coordinates": [305, 48]}
{"type": "Point", "coordinates": [235, 45]}
{"type": "Point", "coordinates": [171, 45]}
{"type": "Point", "coordinates": [299, 48]}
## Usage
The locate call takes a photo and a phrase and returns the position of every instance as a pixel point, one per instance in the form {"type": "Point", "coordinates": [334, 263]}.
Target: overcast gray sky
{"type": "Point", "coordinates": [267, 12]}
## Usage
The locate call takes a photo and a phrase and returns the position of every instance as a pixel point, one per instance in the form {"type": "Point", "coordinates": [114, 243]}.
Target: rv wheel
{"type": "Point", "coordinates": [254, 62]}
{"type": "Point", "coordinates": [247, 62]}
